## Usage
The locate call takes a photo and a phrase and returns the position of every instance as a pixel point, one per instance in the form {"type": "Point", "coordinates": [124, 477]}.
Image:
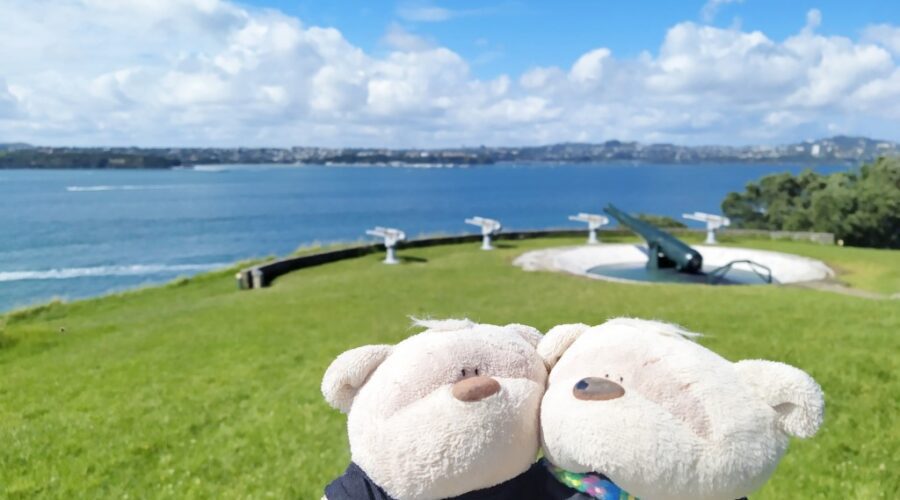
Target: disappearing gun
{"type": "Point", "coordinates": [663, 249]}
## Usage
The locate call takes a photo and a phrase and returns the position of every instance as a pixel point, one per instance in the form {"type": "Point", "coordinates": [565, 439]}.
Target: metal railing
{"type": "Point", "coordinates": [718, 274]}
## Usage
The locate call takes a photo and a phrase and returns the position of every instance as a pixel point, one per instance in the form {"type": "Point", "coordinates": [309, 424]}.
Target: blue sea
{"type": "Point", "coordinates": [80, 233]}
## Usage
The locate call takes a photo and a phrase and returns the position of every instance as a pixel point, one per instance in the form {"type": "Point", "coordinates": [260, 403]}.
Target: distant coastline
{"type": "Point", "coordinates": [838, 149]}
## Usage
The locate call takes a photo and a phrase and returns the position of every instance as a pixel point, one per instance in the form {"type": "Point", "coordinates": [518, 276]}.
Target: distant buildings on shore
{"type": "Point", "coordinates": [839, 149]}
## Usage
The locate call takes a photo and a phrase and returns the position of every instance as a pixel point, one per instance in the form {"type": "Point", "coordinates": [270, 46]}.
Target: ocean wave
{"type": "Point", "coordinates": [126, 187]}
{"type": "Point", "coordinates": [241, 167]}
{"type": "Point", "coordinates": [211, 168]}
{"type": "Point", "coordinates": [101, 271]}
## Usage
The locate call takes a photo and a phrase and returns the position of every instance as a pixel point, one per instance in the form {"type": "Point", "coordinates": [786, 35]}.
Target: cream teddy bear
{"type": "Point", "coordinates": [449, 412]}
{"type": "Point", "coordinates": [637, 407]}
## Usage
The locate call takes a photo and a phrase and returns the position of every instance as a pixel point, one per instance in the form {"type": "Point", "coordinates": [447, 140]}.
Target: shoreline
{"type": "Point", "coordinates": [718, 163]}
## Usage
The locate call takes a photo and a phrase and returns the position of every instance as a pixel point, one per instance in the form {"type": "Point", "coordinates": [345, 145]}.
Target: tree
{"type": "Point", "coordinates": [661, 221]}
{"type": "Point", "coordinates": [861, 207]}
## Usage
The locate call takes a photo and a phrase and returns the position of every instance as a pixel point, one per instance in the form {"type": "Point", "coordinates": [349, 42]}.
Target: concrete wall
{"type": "Point", "coordinates": [263, 275]}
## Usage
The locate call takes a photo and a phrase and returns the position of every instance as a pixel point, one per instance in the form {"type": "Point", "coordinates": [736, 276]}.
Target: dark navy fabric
{"type": "Point", "coordinates": [537, 483]}
{"type": "Point", "coordinates": [354, 484]}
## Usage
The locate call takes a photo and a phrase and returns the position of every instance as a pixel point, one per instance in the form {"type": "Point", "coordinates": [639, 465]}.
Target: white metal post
{"type": "Point", "coordinates": [391, 256]}
{"type": "Point", "coordinates": [713, 223]}
{"type": "Point", "coordinates": [594, 221]}
{"type": "Point", "coordinates": [486, 242]}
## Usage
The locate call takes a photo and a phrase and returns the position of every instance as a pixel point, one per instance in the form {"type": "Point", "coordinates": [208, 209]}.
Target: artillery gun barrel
{"type": "Point", "coordinates": [684, 258]}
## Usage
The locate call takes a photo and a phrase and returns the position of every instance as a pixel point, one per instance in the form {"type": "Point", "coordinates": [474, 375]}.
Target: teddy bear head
{"type": "Point", "coordinates": [665, 418]}
{"type": "Point", "coordinates": [450, 410]}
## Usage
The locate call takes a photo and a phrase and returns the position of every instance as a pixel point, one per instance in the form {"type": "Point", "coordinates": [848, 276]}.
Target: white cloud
{"type": "Point", "coordinates": [589, 67]}
{"type": "Point", "coordinates": [399, 38]}
{"type": "Point", "coordinates": [537, 78]}
{"type": "Point", "coordinates": [210, 72]}
{"type": "Point", "coordinates": [711, 8]}
{"type": "Point", "coordinates": [885, 35]}
{"type": "Point", "coordinates": [813, 20]}
{"type": "Point", "coordinates": [8, 102]}
{"type": "Point", "coordinates": [879, 96]}
{"type": "Point", "coordinates": [425, 13]}
{"type": "Point", "coordinates": [526, 110]}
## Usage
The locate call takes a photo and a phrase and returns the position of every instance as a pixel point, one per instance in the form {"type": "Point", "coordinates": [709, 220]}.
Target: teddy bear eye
{"type": "Point", "coordinates": [621, 379]}
{"type": "Point", "coordinates": [463, 372]}
{"type": "Point", "coordinates": [476, 371]}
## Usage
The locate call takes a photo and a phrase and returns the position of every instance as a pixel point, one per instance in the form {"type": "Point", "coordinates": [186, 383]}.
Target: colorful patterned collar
{"type": "Point", "coordinates": [591, 484]}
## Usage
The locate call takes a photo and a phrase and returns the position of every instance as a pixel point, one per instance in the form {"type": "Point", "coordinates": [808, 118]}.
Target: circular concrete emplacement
{"type": "Point", "coordinates": [627, 263]}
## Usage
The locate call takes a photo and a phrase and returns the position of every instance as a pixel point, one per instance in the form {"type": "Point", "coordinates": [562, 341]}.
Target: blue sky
{"type": "Point", "coordinates": [435, 73]}
{"type": "Point", "coordinates": [510, 37]}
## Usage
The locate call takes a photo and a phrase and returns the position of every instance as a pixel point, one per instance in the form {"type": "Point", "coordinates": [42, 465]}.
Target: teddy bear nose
{"type": "Point", "coordinates": [475, 389]}
{"type": "Point", "coordinates": [597, 389]}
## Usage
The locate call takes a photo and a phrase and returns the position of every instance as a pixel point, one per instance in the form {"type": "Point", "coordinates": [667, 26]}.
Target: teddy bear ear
{"type": "Point", "coordinates": [442, 325]}
{"type": "Point", "coordinates": [531, 334]}
{"type": "Point", "coordinates": [349, 371]}
{"type": "Point", "coordinates": [649, 325]}
{"type": "Point", "coordinates": [793, 394]}
{"type": "Point", "coordinates": [557, 340]}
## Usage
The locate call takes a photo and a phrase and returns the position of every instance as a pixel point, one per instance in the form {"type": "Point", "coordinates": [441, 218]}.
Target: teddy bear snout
{"type": "Point", "coordinates": [597, 389]}
{"type": "Point", "coordinates": [475, 388]}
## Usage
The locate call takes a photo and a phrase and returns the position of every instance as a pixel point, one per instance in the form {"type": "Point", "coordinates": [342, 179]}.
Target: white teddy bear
{"type": "Point", "coordinates": [636, 406]}
{"type": "Point", "coordinates": [450, 412]}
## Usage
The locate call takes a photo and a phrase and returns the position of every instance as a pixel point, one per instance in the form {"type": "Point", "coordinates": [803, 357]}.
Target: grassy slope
{"type": "Point", "coordinates": [200, 390]}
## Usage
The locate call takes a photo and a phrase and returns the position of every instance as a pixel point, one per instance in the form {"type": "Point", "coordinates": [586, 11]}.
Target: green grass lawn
{"type": "Point", "coordinates": [197, 389]}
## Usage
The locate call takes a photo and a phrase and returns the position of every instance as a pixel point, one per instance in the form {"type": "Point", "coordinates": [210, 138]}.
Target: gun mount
{"type": "Point", "coordinates": [391, 236]}
{"type": "Point", "coordinates": [594, 222]}
{"type": "Point", "coordinates": [713, 224]}
{"type": "Point", "coordinates": [489, 227]}
{"type": "Point", "coordinates": [663, 249]}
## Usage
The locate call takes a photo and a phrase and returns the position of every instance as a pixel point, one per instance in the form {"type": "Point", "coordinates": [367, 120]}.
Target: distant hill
{"type": "Point", "coordinates": [837, 149]}
{"type": "Point", "coordinates": [76, 158]}
{"type": "Point", "coordinates": [830, 150]}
